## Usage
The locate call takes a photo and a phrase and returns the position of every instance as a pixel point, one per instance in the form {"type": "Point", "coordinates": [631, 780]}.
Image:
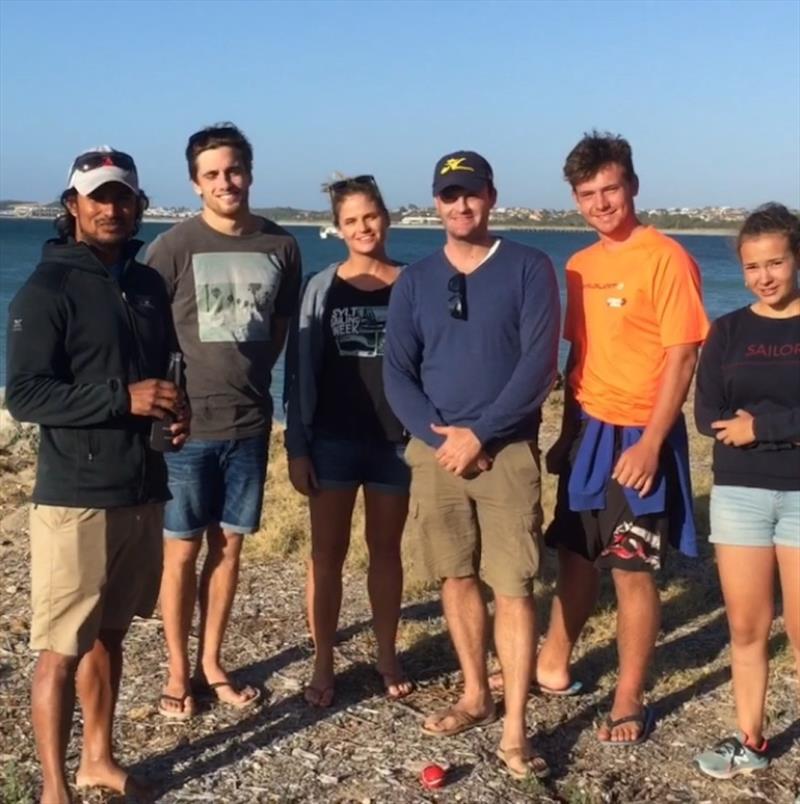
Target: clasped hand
{"type": "Point", "coordinates": [461, 453]}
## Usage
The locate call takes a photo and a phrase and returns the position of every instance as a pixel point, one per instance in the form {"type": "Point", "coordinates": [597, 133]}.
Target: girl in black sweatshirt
{"type": "Point", "coordinates": [748, 399]}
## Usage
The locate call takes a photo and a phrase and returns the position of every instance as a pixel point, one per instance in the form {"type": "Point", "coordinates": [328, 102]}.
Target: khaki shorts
{"type": "Point", "coordinates": [488, 525]}
{"type": "Point", "coordinates": [91, 569]}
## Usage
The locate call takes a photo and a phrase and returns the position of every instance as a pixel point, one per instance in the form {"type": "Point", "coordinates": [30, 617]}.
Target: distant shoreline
{"type": "Point", "coordinates": [428, 226]}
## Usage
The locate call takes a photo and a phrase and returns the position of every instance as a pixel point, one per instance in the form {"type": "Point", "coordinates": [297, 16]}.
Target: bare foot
{"type": "Point", "coordinates": [111, 776]}
{"type": "Point", "coordinates": [395, 681]}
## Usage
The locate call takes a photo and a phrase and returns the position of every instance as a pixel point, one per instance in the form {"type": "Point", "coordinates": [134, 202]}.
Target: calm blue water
{"type": "Point", "coordinates": [21, 243]}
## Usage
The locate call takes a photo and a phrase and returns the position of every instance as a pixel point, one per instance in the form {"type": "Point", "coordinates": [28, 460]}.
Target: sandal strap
{"type": "Point", "coordinates": [612, 724]}
{"type": "Point", "coordinates": [175, 698]}
{"type": "Point", "coordinates": [528, 756]}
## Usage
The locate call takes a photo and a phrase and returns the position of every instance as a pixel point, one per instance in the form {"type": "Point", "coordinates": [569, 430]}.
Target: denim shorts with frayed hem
{"type": "Point", "coordinates": [216, 482]}
{"type": "Point", "coordinates": [748, 517]}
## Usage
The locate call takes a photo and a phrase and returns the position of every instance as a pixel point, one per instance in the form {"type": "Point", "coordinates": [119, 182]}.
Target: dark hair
{"type": "Point", "coordinates": [596, 150]}
{"type": "Point", "coordinates": [771, 218]}
{"type": "Point", "coordinates": [220, 135]}
{"type": "Point", "coordinates": [340, 189]}
{"type": "Point", "coordinates": [65, 222]}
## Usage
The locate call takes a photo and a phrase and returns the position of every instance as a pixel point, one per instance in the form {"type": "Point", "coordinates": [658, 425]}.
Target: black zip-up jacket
{"type": "Point", "coordinates": [76, 339]}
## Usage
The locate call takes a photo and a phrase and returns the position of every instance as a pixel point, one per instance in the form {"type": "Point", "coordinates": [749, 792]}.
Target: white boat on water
{"type": "Point", "coordinates": [329, 231]}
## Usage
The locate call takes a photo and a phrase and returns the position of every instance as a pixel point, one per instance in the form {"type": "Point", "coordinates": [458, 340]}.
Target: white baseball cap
{"type": "Point", "coordinates": [97, 166]}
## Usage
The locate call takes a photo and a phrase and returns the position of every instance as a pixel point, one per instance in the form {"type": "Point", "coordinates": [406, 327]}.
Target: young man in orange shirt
{"type": "Point", "coordinates": [635, 320]}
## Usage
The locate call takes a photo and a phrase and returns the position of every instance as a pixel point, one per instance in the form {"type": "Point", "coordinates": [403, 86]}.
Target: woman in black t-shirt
{"type": "Point", "coordinates": [351, 436]}
{"type": "Point", "coordinates": [748, 398]}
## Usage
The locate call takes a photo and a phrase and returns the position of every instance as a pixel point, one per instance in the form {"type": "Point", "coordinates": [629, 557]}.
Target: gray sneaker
{"type": "Point", "coordinates": [730, 757]}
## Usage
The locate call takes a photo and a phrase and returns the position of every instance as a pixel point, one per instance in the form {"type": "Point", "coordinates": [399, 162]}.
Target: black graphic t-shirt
{"type": "Point", "coordinates": [351, 402]}
{"type": "Point", "coordinates": [752, 363]}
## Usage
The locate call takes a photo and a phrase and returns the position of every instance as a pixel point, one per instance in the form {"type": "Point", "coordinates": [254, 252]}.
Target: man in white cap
{"type": "Point", "coordinates": [88, 340]}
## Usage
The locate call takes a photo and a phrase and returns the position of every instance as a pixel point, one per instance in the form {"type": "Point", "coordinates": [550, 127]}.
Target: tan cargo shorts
{"type": "Point", "coordinates": [92, 569]}
{"type": "Point", "coordinates": [489, 525]}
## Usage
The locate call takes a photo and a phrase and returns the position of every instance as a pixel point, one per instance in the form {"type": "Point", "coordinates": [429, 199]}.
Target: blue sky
{"type": "Point", "coordinates": [708, 93]}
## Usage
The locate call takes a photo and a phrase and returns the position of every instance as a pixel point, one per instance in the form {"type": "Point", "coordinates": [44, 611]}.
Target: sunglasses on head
{"type": "Point", "coordinates": [343, 184]}
{"type": "Point", "coordinates": [96, 159]}
{"type": "Point", "coordinates": [457, 300]}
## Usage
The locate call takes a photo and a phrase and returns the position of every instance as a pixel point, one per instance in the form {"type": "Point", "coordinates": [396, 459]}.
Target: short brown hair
{"type": "Point", "coordinates": [771, 218]}
{"type": "Point", "coordinates": [220, 135]}
{"type": "Point", "coordinates": [596, 150]}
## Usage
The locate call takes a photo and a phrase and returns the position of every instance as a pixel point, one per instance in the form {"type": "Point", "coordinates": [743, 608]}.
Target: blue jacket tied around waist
{"type": "Point", "coordinates": [594, 463]}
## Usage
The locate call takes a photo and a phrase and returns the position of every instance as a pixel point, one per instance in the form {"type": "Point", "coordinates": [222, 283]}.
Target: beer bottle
{"type": "Point", "coordinates": [160, 434]}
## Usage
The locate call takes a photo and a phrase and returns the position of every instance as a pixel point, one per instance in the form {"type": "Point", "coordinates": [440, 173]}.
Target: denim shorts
{"type": "Point", "coordinates": [216, 482]}
{"type": "Point", "coordinates": [344, 464]}
{"type": "Point", "coordinates": [746, 517]}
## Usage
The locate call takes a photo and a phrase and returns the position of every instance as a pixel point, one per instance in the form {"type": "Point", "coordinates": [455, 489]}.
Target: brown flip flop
{"type": "Point", "coordinates": [464, 721]}
{"type": "Point", "coordinates": [535, 765]}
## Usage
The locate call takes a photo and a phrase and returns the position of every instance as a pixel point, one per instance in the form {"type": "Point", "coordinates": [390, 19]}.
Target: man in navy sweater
{"type": "Point", "coordinates": [471, 348]}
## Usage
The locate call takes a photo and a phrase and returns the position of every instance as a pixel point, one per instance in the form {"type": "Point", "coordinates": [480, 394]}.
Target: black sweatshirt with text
{"type": "Point", "coordinates": [751, 362]}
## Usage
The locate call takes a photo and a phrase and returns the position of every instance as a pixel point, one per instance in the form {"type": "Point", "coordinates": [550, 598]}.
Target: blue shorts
{"type": "Point", "coordinates": [343, 464]}
{"type": "Point", "coordinates": [216, 482]}
{"type": "Point", "coordinates": [746, 517]}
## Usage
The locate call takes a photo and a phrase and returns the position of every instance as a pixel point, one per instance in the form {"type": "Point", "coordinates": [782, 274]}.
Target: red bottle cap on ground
{"type": "Point", "coordinates": [432, 776]}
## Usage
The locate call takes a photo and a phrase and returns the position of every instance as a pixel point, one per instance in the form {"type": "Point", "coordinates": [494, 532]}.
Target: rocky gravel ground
{"type": "Point", "coordinates": [368, 749]}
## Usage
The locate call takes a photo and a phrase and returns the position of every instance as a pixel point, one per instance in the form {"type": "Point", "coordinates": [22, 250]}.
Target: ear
{"type": "Point", "coordinates": [71, 203]}
{"type": "Point", "coordinates": [493, 195]}
{"type": "Point", "coordinates": [196, 188]}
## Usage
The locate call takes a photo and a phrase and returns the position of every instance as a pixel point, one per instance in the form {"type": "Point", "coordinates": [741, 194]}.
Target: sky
{"type": "Point", "coordinates": [707, 93]}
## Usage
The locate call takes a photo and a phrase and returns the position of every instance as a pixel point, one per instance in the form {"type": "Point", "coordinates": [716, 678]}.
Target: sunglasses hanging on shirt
{"type": "Point", "coordinates": [457, 300]}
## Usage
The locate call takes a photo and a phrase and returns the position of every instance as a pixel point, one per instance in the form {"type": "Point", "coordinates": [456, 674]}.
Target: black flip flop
{"type": "Point", "coordinates": [201, 688]}
{"type": "Point", "coordinates": [647, 719]}
{"type": "Point", "coordinates": [175, 714]}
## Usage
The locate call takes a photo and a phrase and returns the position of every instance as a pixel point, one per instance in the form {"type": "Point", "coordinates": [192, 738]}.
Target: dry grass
{"type": "Point", "coordinates": [215, 759]}
{"type": "Point", "coordinates": [285, 530]}
{"type": "Point", "coordinates": [690, 589]}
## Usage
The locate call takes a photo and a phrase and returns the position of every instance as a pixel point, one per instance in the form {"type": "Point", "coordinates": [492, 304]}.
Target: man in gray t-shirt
{"type": "Point", "coordinates": [233, 281]}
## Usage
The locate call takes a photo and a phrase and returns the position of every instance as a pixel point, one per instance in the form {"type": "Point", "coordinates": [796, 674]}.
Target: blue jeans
{"type": "Point", "coordinates": [216, 482]}
{"type": "Point", "coordinates": [344, 464]}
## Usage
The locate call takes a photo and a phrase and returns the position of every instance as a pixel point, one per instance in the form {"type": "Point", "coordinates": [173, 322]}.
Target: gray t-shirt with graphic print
{"type": "Point", "coordinates": [225, 292]}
